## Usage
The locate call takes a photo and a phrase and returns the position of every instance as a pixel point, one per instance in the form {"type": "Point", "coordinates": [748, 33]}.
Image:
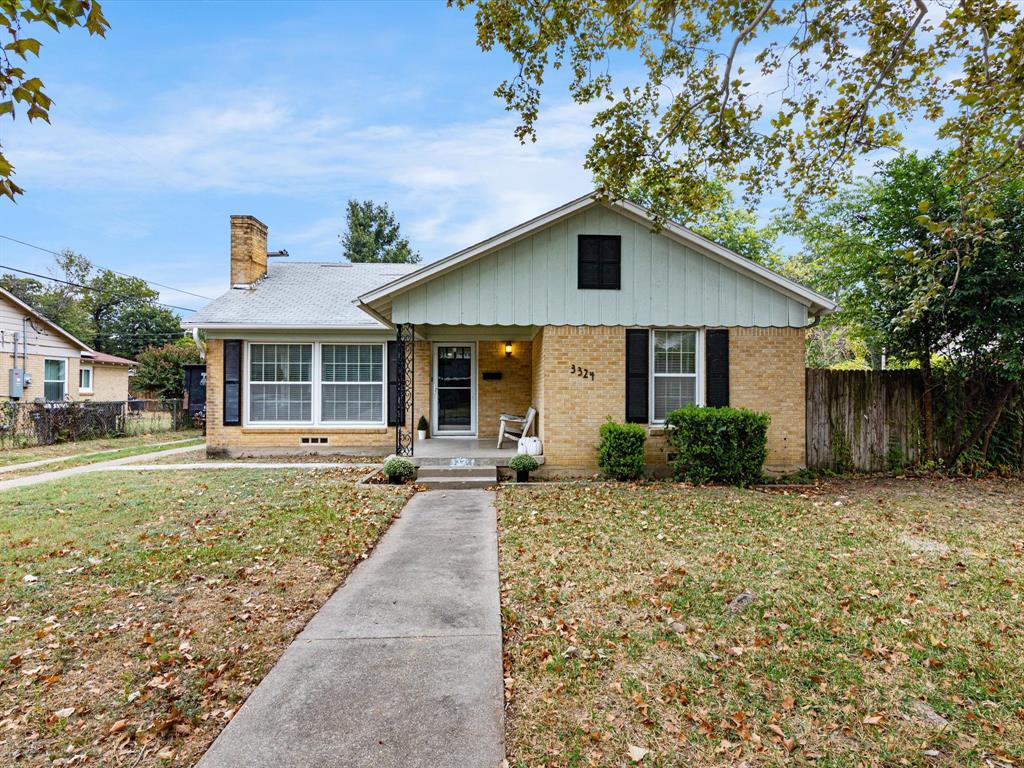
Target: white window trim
{"type": "Point", "coordinates": [316, 382]}
{"type": "Point", "coordinates": [63, 382]}
{"type": "Point", "coordinates": [86, 390]}
{"type": "Point", "coordinates": [699, 398]}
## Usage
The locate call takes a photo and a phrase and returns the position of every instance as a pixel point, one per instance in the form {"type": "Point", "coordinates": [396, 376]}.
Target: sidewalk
{"type": "Point", "coordinates": [401, 667]}
{"type": "Point", "coordinates": [59, 474]}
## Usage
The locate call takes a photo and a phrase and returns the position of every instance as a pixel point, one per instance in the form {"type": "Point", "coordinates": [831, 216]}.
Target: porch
{"type": "Point", "coordinates": [471, 451]}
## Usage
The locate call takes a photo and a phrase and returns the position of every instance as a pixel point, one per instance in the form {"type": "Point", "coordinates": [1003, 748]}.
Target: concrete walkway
{"type": "Point", "coordinates": [60, 474]}
{"type": "Point", "coordinates": [401, 667]}
{"type": "Point", "coordinates": [69, 457]}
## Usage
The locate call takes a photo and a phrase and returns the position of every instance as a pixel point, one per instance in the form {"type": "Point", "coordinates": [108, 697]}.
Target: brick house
{"type": "Point", "coordinates": [584, 313]}
{"type": "Point", "coordinates": [39, 360]}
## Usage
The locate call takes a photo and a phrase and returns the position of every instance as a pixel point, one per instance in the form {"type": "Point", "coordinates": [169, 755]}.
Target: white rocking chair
{"type": "Point", "coordinates": [520, 425]}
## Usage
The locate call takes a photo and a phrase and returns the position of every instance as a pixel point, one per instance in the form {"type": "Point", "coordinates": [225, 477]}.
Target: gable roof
{"type": "Point", "coordinates": [301, 294]}
{"type": "Point", "coordinates": [378, 300]}
{"type": "Point", "coordinates": [43, 319]}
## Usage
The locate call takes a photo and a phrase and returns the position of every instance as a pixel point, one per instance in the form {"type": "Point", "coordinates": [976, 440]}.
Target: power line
{"type": "Point", "coordinates": [122, 274]}
{"type": "Point", "coordinates": [91, 288]}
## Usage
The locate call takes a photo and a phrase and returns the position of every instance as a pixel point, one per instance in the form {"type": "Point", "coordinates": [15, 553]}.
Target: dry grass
{"type": "Point", "coordinates": [883, 609]}
{"type": "Point", "coordinates": [314, 458]}
{"type": "Point", "coordinates": [139, 611]}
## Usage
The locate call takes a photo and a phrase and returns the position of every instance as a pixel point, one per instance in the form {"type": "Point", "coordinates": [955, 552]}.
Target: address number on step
{"type": "Point", "coordinates": [580, 372]}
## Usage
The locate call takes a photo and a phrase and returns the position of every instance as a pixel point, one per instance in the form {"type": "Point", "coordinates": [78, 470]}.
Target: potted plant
{"type": "Point", "coordinates": [523, 464]}
{"type": "Point", "coordinates": [421, 428]}
{"type": "Point", "coordinates": [399, 470]}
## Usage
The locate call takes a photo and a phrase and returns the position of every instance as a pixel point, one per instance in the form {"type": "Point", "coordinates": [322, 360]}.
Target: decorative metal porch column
{"type": "Point", "coordinates": [405, 430]}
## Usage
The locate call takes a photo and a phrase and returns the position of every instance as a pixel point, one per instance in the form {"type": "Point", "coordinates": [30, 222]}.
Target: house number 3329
{"type": "Point", "coordinates": [580, 372]}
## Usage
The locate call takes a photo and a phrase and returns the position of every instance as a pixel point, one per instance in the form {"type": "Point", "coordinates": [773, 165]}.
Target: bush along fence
{"type": "Point", "coordinates": [38, 423]}
{"type": "Point", "coordinates": [873, 421]}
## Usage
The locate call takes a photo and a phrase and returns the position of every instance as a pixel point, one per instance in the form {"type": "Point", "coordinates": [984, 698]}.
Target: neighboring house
{"type": "Point", "coordinates": [50, 363]}
{"type": "Point", "coordinates": [586, 313]}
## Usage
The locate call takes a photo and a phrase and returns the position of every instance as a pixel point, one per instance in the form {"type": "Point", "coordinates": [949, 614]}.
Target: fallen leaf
{"type": "Point", "coordinates": [65, 713]}
{"type": "Point", "coordinates": [636, 754]}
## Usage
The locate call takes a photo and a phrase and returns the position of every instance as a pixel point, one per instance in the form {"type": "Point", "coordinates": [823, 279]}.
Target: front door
{"type": "Point", "coordinates": [453, 390]}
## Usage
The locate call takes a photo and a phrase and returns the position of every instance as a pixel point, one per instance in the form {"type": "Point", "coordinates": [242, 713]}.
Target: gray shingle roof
{"type": "Point", "coordinates": [302, 294]}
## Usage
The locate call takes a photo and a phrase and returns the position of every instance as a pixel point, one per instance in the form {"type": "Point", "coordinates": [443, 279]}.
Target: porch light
{"type": "Point", "coordinates": [508, 349]}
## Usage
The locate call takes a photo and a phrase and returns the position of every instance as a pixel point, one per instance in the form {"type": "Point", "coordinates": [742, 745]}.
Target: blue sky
{"type": "Point", "coordinates": [191, 111]}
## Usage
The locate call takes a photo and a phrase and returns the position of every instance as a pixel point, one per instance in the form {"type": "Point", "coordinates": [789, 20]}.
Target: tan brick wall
{"type": "Point", "coordinates": [35, 370]}
{"type": "Point", "coordinates": [574, 407]}
{"type": "Point", "coordinates": [766, 373]}
{"type": "Point", "coordinates": [512, 393]}
{"type": "Point", "coordinates": [240, 440]}
{"type": "Point", "coordinates": [109, 382]}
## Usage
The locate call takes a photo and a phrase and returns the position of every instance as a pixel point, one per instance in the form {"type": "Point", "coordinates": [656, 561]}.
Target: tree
{"type": "Point", "coordinates": [17, 86]}
{"type": "Point", "coordinates": [906, 291]}
{"type": "Point", "coordinates": [109, 312]}
{"type": "Point", "coordinates": [161, 369]}
{"type": "Point", "coordinates": [769, 94]}
{"type": "Point", "coordinates": [140, 326]}
{"type": "Point", "coordinates": [725, 223]}
{"type": "Point", "coordinates": [374, 235]}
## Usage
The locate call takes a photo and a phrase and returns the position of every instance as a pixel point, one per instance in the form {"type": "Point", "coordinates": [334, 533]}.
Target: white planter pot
{"type": "Point", "coordinates": [421, 434]}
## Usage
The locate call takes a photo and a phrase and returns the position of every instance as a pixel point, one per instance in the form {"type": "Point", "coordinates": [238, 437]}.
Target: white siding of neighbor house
{"type": "Point", "coordinates": [533, 282]}
{"type": "Point", "coordinates": [42, 340]}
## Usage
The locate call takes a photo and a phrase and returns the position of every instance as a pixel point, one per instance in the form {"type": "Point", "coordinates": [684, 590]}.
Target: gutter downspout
{"type": "Point", "coordinates": [24, 343]}
{"type": "Point", "coordinates": [199, 344]}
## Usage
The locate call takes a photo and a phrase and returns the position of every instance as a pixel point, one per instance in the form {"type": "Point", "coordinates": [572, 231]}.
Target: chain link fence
{"type": "Point", "coordinates": [37, 423]}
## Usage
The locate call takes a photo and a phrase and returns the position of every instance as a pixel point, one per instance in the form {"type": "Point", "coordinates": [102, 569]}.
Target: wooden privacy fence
{"type": "Point", "coordinates": [863, 420]}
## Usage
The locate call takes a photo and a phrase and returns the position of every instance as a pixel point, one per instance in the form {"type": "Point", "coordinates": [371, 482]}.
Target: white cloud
{"type": "Point", "coordinates": [453, 183]}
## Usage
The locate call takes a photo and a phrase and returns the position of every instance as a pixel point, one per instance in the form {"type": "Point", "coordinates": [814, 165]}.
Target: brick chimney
{"type": "Point", "coordinates": [248, 250]}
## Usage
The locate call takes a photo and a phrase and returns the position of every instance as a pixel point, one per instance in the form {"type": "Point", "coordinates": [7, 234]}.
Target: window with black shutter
{"type": "Point", "coordinates": [599, 262]}
{"type": "Point", "coordinates": [232, 383]}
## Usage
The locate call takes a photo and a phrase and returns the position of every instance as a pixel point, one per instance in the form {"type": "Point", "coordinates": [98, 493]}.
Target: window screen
{"type": "Point", "coordinates": [352, 382]}
{"type": "Point", "coordinates": [280, 382]}
{"type": "Point", "coordinates": [675, 371]}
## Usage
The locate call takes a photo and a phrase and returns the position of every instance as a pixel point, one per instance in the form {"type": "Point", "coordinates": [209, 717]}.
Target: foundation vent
{"type": "Point", "coordinates": [314, 440]}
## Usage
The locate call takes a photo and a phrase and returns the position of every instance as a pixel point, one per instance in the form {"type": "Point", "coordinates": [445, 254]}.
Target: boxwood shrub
{"type": "Point", "coordinates": [722, 445]}
{"type": "Point", "coordinates": [620, 454]}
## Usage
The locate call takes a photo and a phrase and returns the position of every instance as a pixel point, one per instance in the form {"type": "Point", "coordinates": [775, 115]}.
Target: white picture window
{"type": "Point", "coordinates": [85, 378]}
{"type": "Point", "coordinates": [55, 379]}
{"type": "Point", "coordinates": [352, 383]}
{"type": "Point", "coordinates": [674, 374]}
{"type": "Point", "coordinates": [281, 383]}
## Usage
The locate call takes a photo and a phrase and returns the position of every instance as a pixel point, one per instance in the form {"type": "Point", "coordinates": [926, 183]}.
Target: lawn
{"type": "Point", "coordinates": [12, 456]}
{"type": "Point", "coordinates": [886, 627]}
{"type": "Point", "coordinates": [138, 611]}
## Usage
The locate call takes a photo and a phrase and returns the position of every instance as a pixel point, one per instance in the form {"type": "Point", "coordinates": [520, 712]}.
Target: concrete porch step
{"type": "Point", "coordinates": [458, 483]}
{"type": "Point", "coordinates": [438, 471]}
{"type": "Point", "coordinates": [456, 478]}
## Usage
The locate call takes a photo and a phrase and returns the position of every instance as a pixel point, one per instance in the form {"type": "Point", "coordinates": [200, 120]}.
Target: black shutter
{"type": "Point", "coordinates": [716, 355]}
{"type": "Point", "coordinates": [232, 383]}
{"type": "Point", "coordinates": [599, 262]}
{"type": "Point", "coordinates": [394, 417]}
{"type": "Point", "coordinates": [637, 373]}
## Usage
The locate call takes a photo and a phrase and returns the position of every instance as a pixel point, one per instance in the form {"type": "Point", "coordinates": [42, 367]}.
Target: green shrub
{"type": "Point", "coordinates": [422, 425]}
{"type": "Point", "coordinates": [620, 454]}
{"type": "Point", "coordinates": [724, 445]}
{"type": "Point", "coordinates": [523, 462]}
{"type": "Point", "coordinates": [399, 469]}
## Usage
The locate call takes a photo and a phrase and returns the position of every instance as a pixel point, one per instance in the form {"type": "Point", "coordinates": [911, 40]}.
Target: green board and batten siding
{"type": "Point", "coordinates": [533, 282]}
